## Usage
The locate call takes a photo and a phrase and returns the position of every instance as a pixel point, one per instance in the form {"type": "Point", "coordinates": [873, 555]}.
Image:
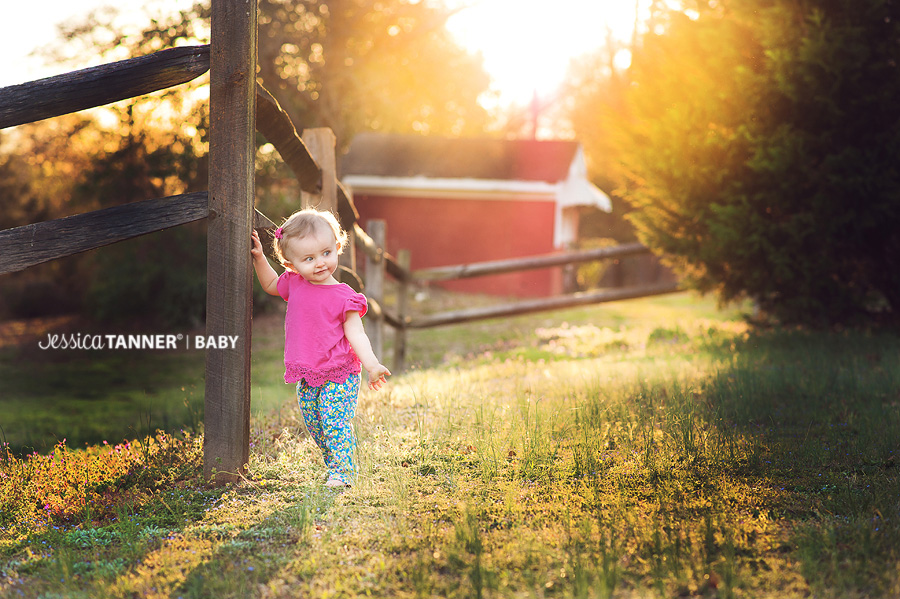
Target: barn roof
{"type": "Point", "coordinates": [394, 155]}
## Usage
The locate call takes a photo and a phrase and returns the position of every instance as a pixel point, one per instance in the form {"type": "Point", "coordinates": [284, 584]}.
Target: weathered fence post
{"type": "Point", "coordinates": [403, 289]}
{"type": "Point", "coordinates": [347, 215]}
{"type": "Point", "coordinates": [321, 142]}
{"type": "Point", "coordinates": [375, 286]}
{"type": "Point", "coordinates": [232, 134]}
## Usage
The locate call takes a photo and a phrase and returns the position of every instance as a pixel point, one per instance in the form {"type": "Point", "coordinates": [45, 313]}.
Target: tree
{"type": "Point", "coordinates": [593, 93]}
{"type": "Point", "coordinates": [39, 163]}
{"type": "Point", "coordinates": [355, 65]}
{"type": "Point", "coordinates": [350, 65]}
{"type": "Point", "coordinates": [71, 165]}
{"type": "Point", "coordinates": [160, 277]}
{"type": "Point", "coordinates": [759, 148]}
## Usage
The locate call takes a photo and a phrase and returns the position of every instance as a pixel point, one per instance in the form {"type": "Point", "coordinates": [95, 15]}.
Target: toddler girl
{"type": "Point", "coordinates": [324, 339]}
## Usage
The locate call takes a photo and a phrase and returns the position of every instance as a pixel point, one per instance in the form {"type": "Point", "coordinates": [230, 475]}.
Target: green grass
{"type": "Point", "coordinates": [655, 448]}
{"type": "Point", "coordinates": [88, 397]}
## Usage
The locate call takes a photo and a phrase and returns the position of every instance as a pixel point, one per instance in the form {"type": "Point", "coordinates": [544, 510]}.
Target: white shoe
{"type": "Point", "coordinates": [335, 481]}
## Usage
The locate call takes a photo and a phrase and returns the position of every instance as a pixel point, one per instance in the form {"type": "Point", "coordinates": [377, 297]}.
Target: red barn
{"type": "Point", "coordinates": [458, 201]}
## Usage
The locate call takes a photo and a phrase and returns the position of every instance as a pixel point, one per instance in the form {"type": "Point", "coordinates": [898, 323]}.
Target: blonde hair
{"type": "Point", "coordinates": [304, 223]}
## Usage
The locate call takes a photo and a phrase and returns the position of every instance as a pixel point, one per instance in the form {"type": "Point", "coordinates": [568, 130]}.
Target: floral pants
{"type": "Point", "coordinates": [328, 413]}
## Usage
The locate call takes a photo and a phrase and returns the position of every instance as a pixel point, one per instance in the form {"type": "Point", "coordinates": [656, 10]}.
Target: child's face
{"type": "Point", "coordinates": [314, 257]}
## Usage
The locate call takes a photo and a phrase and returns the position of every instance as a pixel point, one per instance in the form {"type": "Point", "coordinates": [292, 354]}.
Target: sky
{"type": "Point", "coordinates": [27, 26]}
{"type": "Point", "coordinates": [526, 44]}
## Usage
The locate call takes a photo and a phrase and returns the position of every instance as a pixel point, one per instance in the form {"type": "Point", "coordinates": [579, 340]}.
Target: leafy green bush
{"type": "Point", "coordinates": [760, 148]}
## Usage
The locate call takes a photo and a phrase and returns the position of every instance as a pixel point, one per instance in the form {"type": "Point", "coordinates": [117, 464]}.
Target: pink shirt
{"type": "Point", "coordinates": [315, 347]}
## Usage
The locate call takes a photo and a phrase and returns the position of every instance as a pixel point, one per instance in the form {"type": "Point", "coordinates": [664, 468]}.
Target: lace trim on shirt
{"type": "Point", "coordinates": [293, 372]}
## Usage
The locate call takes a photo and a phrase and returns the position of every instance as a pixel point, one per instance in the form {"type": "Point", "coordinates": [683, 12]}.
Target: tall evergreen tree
{"type": "Point", "coordinates": [760, 145]}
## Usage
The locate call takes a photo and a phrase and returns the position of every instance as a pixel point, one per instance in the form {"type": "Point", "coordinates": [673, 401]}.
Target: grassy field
{"type": "Point", "coordinates": [653, 448]}
{"type": "Point", "coordinates": [88, 396]}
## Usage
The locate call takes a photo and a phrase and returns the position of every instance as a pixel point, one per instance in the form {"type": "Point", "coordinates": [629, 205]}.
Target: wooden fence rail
{"type": "Point", "coordinates": [378, 254]}
{"type": "Point", "coordinates": [479, 269]}
{"type": "Point", "coordinates": [278, 129]}
{"type": "Point", "coordinates": [29, 245]}
{"type": "Point", "coordinates": [101, 85]}
{"type": "Point", "coordinates": [407, 279]}
{"type": "Point", "coordinates": [540, 305]}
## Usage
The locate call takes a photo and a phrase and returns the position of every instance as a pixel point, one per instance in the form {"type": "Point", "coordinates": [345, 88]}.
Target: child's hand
{"type": "Point", "coordinates": [256, 249]}
{"type": "Point", "coordinates": [378, 377]}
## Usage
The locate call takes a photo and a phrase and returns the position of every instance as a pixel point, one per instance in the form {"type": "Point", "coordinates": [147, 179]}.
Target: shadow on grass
{"type": "Point", "coordinates": [823, 418]}
{"type": "Point", "coordinates": [187, 542]}
{"type": "Point", "coordinates": [246, 558]}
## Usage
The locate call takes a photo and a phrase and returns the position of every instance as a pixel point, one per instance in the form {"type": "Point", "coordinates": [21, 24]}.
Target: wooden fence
{"type": "Point", "coordinates": [408, 280]}
{"type": "Point", "coordinates": [239, 107]}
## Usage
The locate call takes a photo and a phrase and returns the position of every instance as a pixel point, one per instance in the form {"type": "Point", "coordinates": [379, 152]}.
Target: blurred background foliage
{"type": "Point", "coordinates": [752, 144]}
{"type": "Point", "coordinates": [345, 64]}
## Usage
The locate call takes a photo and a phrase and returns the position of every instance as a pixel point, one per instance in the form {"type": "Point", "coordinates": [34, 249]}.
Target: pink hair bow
{"type": "Point", "coordinates": [278, 233]}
